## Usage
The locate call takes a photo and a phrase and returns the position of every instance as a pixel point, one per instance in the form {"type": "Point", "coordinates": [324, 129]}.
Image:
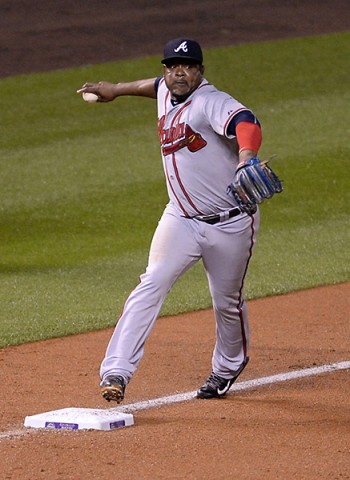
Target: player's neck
{"type": "Point", "coordinates": [176, 99]}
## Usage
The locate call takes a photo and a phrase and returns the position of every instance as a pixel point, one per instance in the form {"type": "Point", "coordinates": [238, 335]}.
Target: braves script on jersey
{"type": "Point", "coordinates": [194, 151]}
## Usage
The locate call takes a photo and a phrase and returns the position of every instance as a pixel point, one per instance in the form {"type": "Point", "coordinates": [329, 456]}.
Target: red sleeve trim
{"type": "Point", "coordinates": [249, 136]}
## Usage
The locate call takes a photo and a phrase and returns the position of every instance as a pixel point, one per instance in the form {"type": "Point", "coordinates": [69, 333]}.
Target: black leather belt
{"type": "Point", "coordinates": [218, 217]}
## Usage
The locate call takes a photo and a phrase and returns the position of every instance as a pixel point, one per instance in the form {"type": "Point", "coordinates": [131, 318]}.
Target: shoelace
{"type": "Point", "coordinates": [216, 381]}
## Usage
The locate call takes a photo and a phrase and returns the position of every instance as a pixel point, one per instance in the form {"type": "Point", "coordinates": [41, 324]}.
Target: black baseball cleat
{"type": "Point", "coordinates": [216, 386]}
{"type": "Point", "coordinates": [113, 388]}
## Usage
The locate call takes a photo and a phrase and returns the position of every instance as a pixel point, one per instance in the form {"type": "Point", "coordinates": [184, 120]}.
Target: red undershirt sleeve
{"type": "Point", "coordinates": [249, 136]}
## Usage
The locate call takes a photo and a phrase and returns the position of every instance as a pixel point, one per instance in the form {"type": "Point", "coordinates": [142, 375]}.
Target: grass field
{"type": "Point", "coordinates": [83, 188]}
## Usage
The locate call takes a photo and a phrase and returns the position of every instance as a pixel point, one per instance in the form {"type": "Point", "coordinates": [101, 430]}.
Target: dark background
{"type": "Point", "coordinates": [53, 34]}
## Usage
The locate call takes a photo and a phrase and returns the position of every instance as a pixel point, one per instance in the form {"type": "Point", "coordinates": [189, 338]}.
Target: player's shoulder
{"type": "Point", "coordinates": [209, 98]}
{"type": "Point", "coordinates": [211, 101]}
{"type": "Point", "coordinates": [205, 88]}
{"type": "Point", "coordinates": [208, 91]}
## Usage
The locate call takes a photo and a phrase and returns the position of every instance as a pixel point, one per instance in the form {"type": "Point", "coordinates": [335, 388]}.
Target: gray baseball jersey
{"type": "Point", "coordinates": [199, 157]}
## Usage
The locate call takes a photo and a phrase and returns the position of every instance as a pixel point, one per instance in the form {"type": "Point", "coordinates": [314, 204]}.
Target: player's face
{"type": "Point", "coordinates": [182, 79]}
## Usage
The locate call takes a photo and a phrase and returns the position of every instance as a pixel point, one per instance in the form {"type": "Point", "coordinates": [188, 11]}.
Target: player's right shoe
{"type": "Point", "coordinates": [113, 388]}
{"type": "Point", "coordinates": [216, 386]}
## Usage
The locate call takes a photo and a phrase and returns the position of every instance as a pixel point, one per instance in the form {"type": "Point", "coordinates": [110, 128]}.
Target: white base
{"type": "Point", "coordinates": [80, 419]}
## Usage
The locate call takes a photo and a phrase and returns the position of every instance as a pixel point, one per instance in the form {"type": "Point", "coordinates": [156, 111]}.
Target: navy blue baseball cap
{"type": "Point", "coordinates": [182, 49]}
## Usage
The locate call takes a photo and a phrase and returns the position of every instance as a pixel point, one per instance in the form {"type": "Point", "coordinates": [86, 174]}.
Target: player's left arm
{"type": "Point", "coordinates": [253, 181]}
{"type": "Point", "coordinates": [247, 130]}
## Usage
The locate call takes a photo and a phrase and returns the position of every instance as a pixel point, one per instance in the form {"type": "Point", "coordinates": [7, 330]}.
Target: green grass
{"type": "Point", "coordinates": [82, 185]}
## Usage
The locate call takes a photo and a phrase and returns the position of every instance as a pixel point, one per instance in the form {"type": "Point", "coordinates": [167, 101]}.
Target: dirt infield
{"type": "Point", "coordinates": [38, 36]}
{"type": "Point", "coordinates": [299, 429]}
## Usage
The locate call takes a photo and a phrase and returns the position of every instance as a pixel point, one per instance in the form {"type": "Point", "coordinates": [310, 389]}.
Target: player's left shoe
{"type": "Point", "coordinates": [216, 386]}
{"type": "Point", "coordinates": [113, 388]}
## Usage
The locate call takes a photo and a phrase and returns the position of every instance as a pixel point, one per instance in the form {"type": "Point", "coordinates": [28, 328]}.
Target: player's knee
{"type": "Point", "coordinates": [157, 281]}
{"type": "Point", "coordinates": [225, 303]}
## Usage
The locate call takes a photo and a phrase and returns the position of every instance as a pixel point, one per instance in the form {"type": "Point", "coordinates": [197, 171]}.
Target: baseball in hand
{"type": "Point", "coordinates": [90, 97]}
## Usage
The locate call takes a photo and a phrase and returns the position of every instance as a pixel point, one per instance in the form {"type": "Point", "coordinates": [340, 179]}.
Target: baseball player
{"type": "Point", "coordinates": [205, 136]}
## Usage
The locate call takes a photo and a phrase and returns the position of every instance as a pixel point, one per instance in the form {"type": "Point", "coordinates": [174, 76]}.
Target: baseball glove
{"type": "Point", "coordinates": [253, 183]}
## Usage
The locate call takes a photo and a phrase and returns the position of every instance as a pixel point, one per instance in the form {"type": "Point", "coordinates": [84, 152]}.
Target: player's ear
{"type": "Point", "coordinates": [201, 69]}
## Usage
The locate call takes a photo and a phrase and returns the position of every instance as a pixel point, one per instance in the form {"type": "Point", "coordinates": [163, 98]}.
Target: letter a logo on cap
{"type": "Point", "coordinates": [182, 46]}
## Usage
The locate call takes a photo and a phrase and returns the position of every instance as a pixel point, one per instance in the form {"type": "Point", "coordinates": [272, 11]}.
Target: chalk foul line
{"type": "Point", "coordinates": [240, 386]}
{"type": "Point", "coordinates": [183, 397]}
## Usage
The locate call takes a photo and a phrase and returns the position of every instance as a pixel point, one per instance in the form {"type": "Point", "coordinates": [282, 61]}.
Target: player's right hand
{"type": "Point", "coordinates": [105, 91]}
